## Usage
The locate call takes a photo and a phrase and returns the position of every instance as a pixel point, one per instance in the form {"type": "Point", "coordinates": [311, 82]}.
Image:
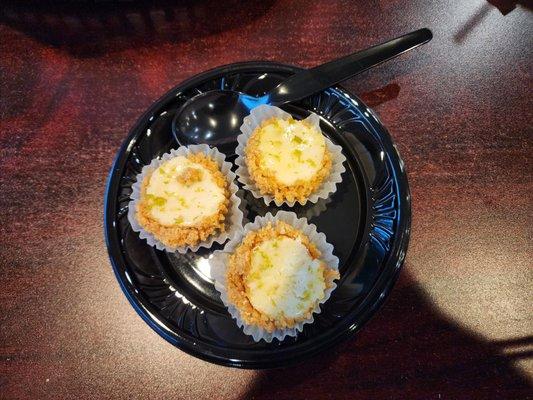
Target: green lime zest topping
{"type": "Point", "coordinates": [164, 172]}
{"type": "Point", "coordinates": [156, 200]}
{"type": "Point", "coordinates": [297, 139]}
{"type": "Point", "coordinates": [273, 155]}
{"type": "Point", "coordinates": [297, 153]}
{"type": "Point", "coordinates": [267, 263]}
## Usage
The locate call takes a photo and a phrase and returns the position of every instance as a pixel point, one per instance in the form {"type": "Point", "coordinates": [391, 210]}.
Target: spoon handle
{"type": "Point", "coordinates": [307, 82]}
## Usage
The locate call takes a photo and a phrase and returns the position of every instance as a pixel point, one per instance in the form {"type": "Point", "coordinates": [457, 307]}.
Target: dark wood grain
{"type": "Point", "coordinates": [74, 78]}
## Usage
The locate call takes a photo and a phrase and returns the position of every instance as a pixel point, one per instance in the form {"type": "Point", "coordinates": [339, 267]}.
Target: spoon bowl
{"type": "Point", "coordinates": [214, 118]}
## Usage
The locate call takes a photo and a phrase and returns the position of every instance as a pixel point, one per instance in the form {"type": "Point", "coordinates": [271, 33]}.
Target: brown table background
{"type": "Point", "coordinates": [73, 79]}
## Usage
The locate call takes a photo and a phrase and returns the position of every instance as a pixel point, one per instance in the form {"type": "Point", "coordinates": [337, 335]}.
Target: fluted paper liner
{"type": "Point", "coordinates": [233, 218]}
{"type": "Point", "coordinates": [218, 265]}
{"type": "Point", "coordinates": [251, 122]}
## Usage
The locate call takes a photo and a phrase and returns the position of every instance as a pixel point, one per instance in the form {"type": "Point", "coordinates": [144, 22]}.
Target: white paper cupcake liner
{"type": "Point", "coordinates": [233, 218]}
{"type": "Point", "coordinates": [218, 265]}
{"type": "Point", "coordinates": [252, 121]}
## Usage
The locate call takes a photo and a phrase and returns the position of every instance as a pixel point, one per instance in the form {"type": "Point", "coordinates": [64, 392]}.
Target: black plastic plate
{"type": "Point", "coordinates": [367, 220]}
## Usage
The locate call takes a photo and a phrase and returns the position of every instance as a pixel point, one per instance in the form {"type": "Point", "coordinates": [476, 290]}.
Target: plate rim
{"type": "Point", "coordinates": [381, 288]}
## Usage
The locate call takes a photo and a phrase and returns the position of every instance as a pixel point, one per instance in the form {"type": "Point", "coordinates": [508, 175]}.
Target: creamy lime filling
{"type": "Point", "coordinates": [284, 280]}
{"type": "Point", "coordinates": [182, 193]}
{"type": "Point", "coordinates": [292, 150]}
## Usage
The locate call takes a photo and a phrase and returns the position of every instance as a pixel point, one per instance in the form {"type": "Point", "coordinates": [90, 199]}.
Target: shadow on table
{"type": "Point", "coordinates": [87, 28]}
{"type": "Point", "coordinates": [504, 6]}
{"type": "Point", "coordinates": [409, 350]}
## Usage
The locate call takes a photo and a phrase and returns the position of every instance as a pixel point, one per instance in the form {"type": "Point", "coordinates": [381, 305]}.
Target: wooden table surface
{"type": "Point", "coordinates": [73, 79]}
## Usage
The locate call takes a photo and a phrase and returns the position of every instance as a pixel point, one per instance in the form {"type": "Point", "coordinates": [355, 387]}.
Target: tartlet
{"type": "Point", "coordinates": [287, 159]}
{"type": "Point", "coordinates": [276, 277]}
{"type": "Point", "coordinates": [184, 200]}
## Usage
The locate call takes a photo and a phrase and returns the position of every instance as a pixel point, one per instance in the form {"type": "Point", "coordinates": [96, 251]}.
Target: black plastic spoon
{"type": "Point", "coordinates": [215, 117]}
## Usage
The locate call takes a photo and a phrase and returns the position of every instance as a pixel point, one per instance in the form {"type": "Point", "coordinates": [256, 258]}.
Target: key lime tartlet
{"type": "Point", "coordinates": [275, 275]}
{"type": "Point", "coordinates": [286, 161]}
{"type": "Point", "coordinates": [186, 200]}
